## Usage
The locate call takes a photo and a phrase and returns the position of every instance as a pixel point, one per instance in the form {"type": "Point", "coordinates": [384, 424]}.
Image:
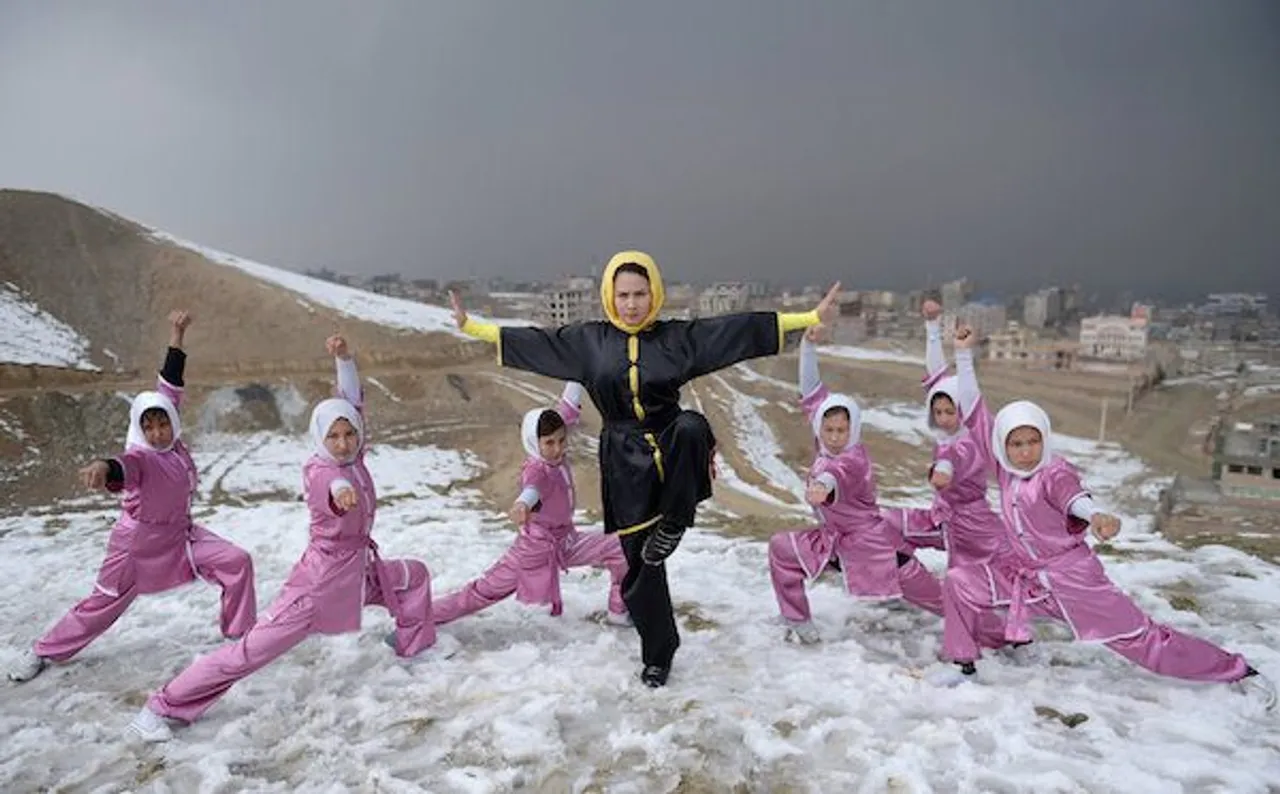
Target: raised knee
{"type": "Point", "coordinates": [691, 424]}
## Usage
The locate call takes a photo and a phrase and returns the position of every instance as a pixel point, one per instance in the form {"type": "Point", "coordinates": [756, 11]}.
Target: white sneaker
{"type": "Point", "coordinates": [1258, 688]}
{"type": "Point", "coordinates": [28, 666]}
{"type": "Point", "coordinates": [619, 619]}
{"type": "Point", "coordinates": [804, 633]}
{"type": "Point", "coordinates": [150, 727]}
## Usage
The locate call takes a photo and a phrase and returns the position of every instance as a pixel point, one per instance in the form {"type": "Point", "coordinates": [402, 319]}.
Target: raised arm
{"type": "Point", "coordinates": [934, 360]}
{"type": "Point", "coordinates": [348, 376]}
{"type": "Point", "coordinates": [809, 378]}
{"type": "Point", "coordinates": [976, 416]}
{"type": "Point", "coordinates": [170, 381]}
{"type": "Point", "coordinates": [570, 406]}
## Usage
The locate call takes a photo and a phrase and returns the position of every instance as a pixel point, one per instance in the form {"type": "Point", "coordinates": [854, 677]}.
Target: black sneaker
{"type": "Point", "coordinates": [659, 545]}
{"type": "Point", "coordinates": [654, 676]}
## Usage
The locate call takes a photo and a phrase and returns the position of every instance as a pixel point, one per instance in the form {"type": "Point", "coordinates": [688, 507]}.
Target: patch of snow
{"type": "Point", "coordinates": [553, 704]}
{"type": "Point", "coordinates": [369, 306]}
{"type": "Point", "coordinates": [756, 440]}
{"type": "Point", "coordinates": [31, 335]}
{"type": "Point", "coordinates": [390, 395]}
{"type": "Point", "coordinates": [867, 354]}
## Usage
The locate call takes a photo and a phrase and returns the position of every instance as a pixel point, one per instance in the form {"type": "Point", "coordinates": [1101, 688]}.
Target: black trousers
{"type": "Point", "coordinates": [648, 600]}
{"type": "Point", "coordinates": [687, 446]}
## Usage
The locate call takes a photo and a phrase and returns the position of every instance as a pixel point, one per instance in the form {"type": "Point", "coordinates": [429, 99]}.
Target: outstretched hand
{"type": "Point", "coordinates": [346, 499]}
{"type": "Point", "coordinates": [1104, 526]}
{"type": "Point", "coordinates": [815, 333]}
{"type": "Point", "coordinates": [337, 346]}
{"type": "Point", "coordinates": [459, 313]}
{"type": "Point", "coordinates": [827, 308]}
{"type": "Point", "coordinates": [94, 476]}
{"type": "Point", "coordinates": [815, 493]}
{"type": "Point", "coordinates": [519, 513]}
{"type": "Point", "coordinates": [965, 338]}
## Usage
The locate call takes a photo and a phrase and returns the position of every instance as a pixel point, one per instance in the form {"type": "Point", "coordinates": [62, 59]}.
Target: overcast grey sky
{"type": "Point", "coordinates": [1129, 143]}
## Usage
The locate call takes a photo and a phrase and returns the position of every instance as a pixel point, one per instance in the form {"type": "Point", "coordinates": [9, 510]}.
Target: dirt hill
{"type": "Point", "coordinates": [108, 279]}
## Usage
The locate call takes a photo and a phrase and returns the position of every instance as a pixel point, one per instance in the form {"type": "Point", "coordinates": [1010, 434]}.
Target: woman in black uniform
{"type": "Point", "coordinates": [655, 458]}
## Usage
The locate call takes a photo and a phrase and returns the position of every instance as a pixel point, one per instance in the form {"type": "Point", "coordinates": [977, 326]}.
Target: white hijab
{"type": "Point", "coordinates": [855, 421]}
{"type": "Point", "coordinates": [950, 386]}
{"type": "Point", "coordinates": [144, 402]}
{"type": "Point", "coordinates": [529, 432]}
{"type": "Point", "coordinates": [1022, 413]}
{"type": "Point", "coordinates": [322, 418]}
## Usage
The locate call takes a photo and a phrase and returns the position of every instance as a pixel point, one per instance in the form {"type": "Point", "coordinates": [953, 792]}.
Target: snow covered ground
{"type": "Point", "coordinates": [553, 704]}
{"type": "Point", "coordinates": [30, 335]}
{"type": "Point", "coordinates": [388, 311]}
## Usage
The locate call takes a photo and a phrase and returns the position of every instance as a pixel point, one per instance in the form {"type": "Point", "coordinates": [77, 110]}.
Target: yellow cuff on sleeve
{"type": "Point", "coordinates": [485, 332]}
{"type": "Point", "coordinates": [794, 321]}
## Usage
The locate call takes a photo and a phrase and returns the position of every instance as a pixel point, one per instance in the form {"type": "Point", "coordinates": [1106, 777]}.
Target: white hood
{"type": "Point", "coordinates": [855, 420]}
{"type": "Point", "coordinates": [322, 418]}
{"type": "Point", "coordinates": [144, 402]}
{"type": "Point", "coordinates": [950, 386]}
{"type": "Point", "coordinates": [529, 432]}
{"type": "Point", "coordinates": [1022, 413]}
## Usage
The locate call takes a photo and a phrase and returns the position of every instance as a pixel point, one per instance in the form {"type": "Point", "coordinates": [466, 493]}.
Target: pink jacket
{"type": "Point", "coordinates": [974, 533]}
{"type": "Point", "coordinates": [154, 526]}
{"type": "Point", "coordinates": [1048, 552]}
{"type": "Point", "coordinates": [341, 551]}
{"type": "Point", "coordinates": [540, 548]}
{"type": "Point", "coordinates": [852, 527]}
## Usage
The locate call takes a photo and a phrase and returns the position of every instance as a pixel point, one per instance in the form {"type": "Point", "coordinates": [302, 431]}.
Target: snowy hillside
{"type": "Point", "coordinates": [30, 335]}
{"type": "Point", "coordinates": [553, 705]}
{"type": "Point", "coordinates": [369, 306]}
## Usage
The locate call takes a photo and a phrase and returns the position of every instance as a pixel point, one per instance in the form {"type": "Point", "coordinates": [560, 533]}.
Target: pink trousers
{"type": "Point", "coordinates": [214, 559]}
{"type": "Point", "coordinates": [918, 586]}
{"type": "Point", "coordinates": [197, 688]}
{"type": "Point", "coordinates": [594, 550]}
{"type": "Point", "coordinates": [974, 594]}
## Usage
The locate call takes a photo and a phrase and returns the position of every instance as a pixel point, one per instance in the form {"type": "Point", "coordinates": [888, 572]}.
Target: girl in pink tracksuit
{"type": "Point", "coordinates": [1051, 571]}
{"type": "Point", "coordinates": [548, 542]}
{"type": "Point", "coordinates": [854, 534]}
{"type": "Point", "coordinates": [960, 520]}
{"type": "Point", "coordinates": [154, 545]}
{"type": "Point", "coordinates": [338, 574]}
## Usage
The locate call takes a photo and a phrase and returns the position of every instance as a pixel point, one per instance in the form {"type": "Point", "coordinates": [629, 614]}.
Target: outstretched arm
{"type": "Point", "coordinates": [976, 416]}
{"type": "Point", "coordinates": [348, 376]}
{"type": "Point", "coordinates": [560, 353]}
{"type": "Point", "coordinates": [718, 342]}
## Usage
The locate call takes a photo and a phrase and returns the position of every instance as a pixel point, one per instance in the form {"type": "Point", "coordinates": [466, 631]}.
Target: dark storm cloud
{"type": "Point", "coordinates": [885, 143]}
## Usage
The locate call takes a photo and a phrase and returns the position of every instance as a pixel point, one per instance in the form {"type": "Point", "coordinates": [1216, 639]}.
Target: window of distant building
{"type": "Point", "coordinates": [1235, 468]}
{"type": "Point", "coordinates": [1256, 471]}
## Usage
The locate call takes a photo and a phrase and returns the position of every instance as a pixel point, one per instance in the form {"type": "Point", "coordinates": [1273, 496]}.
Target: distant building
{"type": "Point", "coordinates": [1042, 309]}
{"type": "Point", "coordinates": [956, 293]}
{"type": "Point", "coordinates": [1017, 344]}
{"type": "Point", "coordinates": [572, 300]}
{"type": "Point", "coordinates": [1246, 460]}
{"type": "Point", "coordinates": [1113, 337]}
{"type": "Point", "coordinates": [985, 317]}
{"type": "Point", "coordinates": [723, 298]}
{"type": "Point", "coordinates": [1235, 303]}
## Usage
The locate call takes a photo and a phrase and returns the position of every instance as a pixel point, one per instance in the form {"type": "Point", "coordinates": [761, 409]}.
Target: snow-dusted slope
{"type": "Point", "coordinates": [534, 703]}
{"type": "Point", "coordinates": [368, 306]}
{"type": "Point", "coordinates": [30, 335]}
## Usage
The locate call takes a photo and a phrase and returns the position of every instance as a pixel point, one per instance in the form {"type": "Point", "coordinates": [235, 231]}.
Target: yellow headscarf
{"type": "Point", "coordinates": [655, 288]}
